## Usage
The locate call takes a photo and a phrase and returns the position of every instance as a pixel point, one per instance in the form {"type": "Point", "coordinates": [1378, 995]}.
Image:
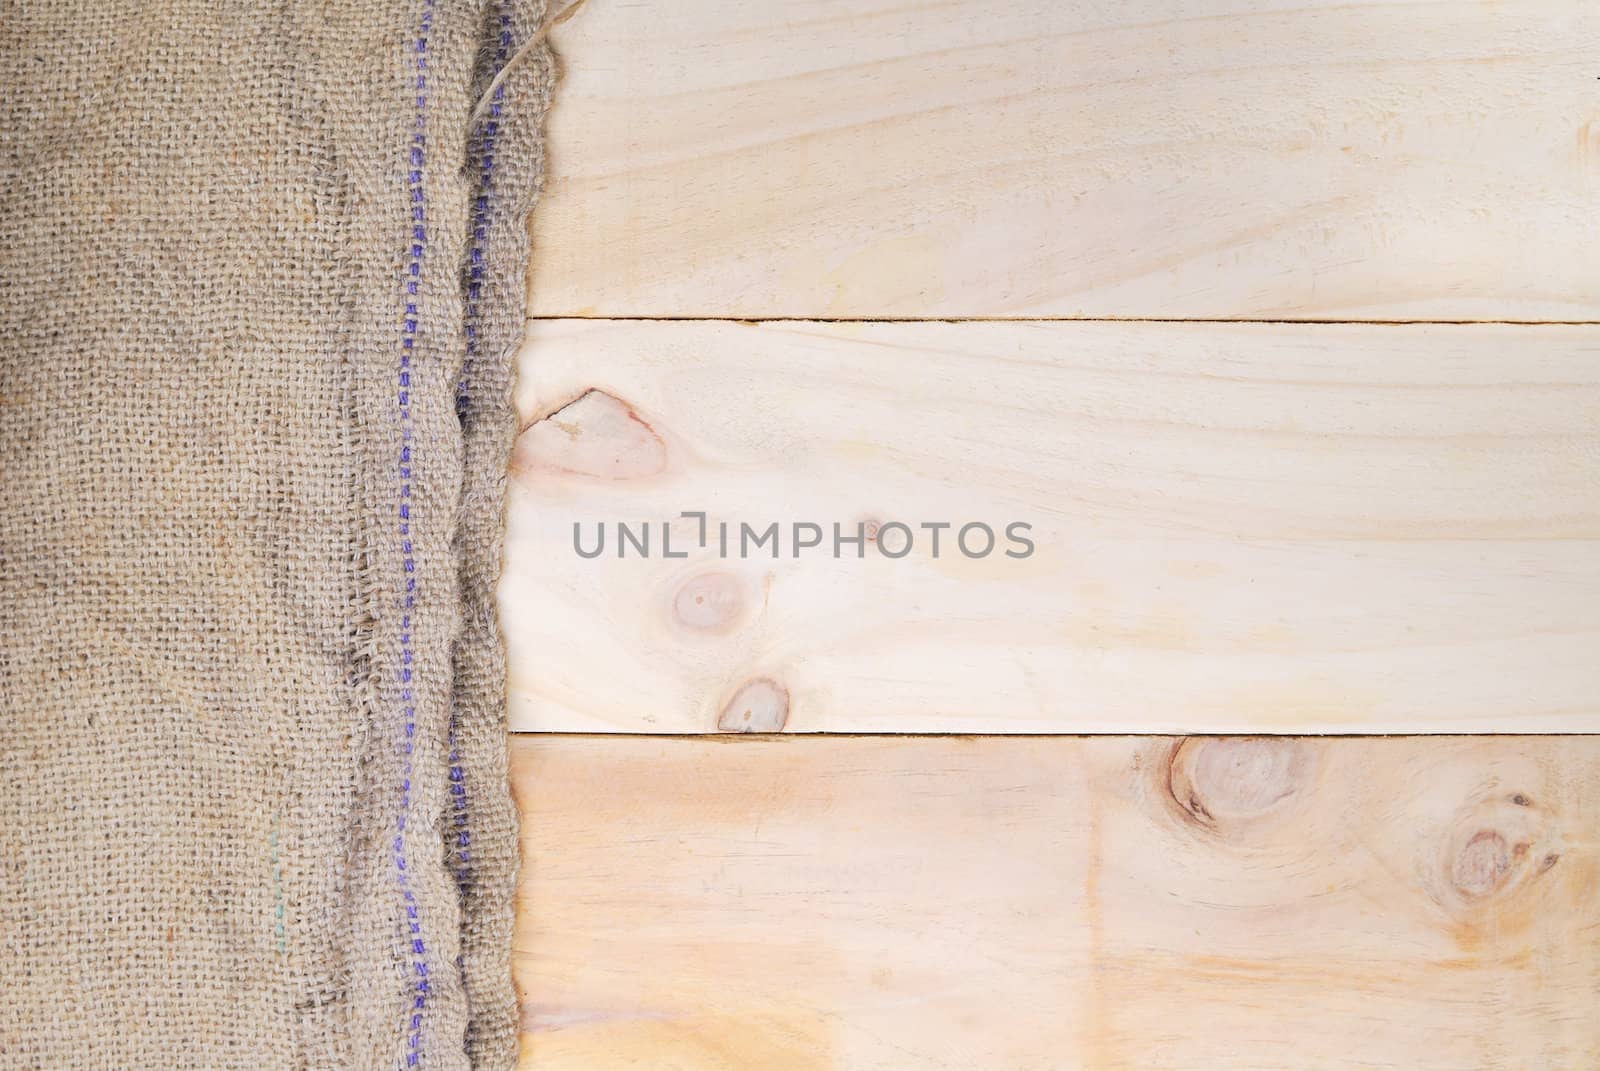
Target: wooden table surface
{"type": "Point", "coordinates": [1277, 325]}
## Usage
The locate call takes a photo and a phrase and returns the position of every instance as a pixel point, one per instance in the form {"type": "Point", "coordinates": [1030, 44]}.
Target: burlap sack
{"type": "Point", "coordinates": [262, 276]}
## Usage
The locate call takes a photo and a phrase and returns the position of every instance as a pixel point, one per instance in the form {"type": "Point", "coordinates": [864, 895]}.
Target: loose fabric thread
{"type": "Point", "coordinates": [485, 141]}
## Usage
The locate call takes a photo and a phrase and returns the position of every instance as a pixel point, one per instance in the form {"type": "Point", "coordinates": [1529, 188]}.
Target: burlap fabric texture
{"type": "Point", "coordinates": [262, 277]}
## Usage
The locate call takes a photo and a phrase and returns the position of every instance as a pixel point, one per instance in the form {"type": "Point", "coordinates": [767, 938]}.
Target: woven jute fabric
{"type": "Point", "coordinates": [261, 273]}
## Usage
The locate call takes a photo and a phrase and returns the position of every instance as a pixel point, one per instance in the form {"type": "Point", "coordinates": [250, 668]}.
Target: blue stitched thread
{"type": "Point", "coordinates": [486, 135]}
{"type": "Point", "coordinates": [408, 338]}
{"type": "Point", "coordinates": [277, 890]}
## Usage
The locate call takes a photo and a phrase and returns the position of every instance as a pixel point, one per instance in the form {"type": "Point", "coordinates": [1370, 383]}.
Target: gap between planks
{"type": "Point", "coordinates": [1202, 320]}
{"type": "Point", "coordinates": [913, 734]}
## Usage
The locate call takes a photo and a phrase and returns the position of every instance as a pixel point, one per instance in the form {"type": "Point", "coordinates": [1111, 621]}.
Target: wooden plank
{"type": "Point", "coordinates": [902, 903]}
{"type": "Point", "coordinates": [969, 158]}
{"type": "Point", "coordinates": [1301, 528]}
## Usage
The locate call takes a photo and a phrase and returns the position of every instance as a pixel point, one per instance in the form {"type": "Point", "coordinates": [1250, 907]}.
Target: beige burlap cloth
{"type": "Point", "coordinates": [262, 277]}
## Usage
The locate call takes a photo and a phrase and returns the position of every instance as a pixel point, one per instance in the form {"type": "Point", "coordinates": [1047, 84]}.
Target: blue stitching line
{"type": "Point", "coordinates": [414, 181]}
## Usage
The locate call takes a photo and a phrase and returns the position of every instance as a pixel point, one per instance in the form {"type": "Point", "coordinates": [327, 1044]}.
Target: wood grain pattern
{"type": "Point", "coordinates": [1238, 527]}
{"type": "Point", "coordinates": [967, 158]}
{"type": "Point", "coordinates": [901, 904]}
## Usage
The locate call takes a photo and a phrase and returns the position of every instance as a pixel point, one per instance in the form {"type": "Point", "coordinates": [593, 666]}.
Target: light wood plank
{"type": "Point", "coordinates": [1238, 527]}
{"type": "Point", "coordinates": [1147, 158]}
{"type": "Point", "coordinates": [901, 904]}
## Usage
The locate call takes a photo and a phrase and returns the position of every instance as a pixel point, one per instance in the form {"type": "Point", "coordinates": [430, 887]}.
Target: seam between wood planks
{"type": "Point", "coordinates": [1060, 320]}
{"type": "Point", "coordinates": [924, 734]}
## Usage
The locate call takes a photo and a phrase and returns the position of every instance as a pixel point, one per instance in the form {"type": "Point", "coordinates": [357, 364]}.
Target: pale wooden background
{"type": "Point", "coordinates": [795, 903]}
{"type": "Point", "coordinates": [1238, 527]}
{"type": "Point", "coordinates": [840, 261]}
{"type": "Point", "coordinates": [1280, 159]}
